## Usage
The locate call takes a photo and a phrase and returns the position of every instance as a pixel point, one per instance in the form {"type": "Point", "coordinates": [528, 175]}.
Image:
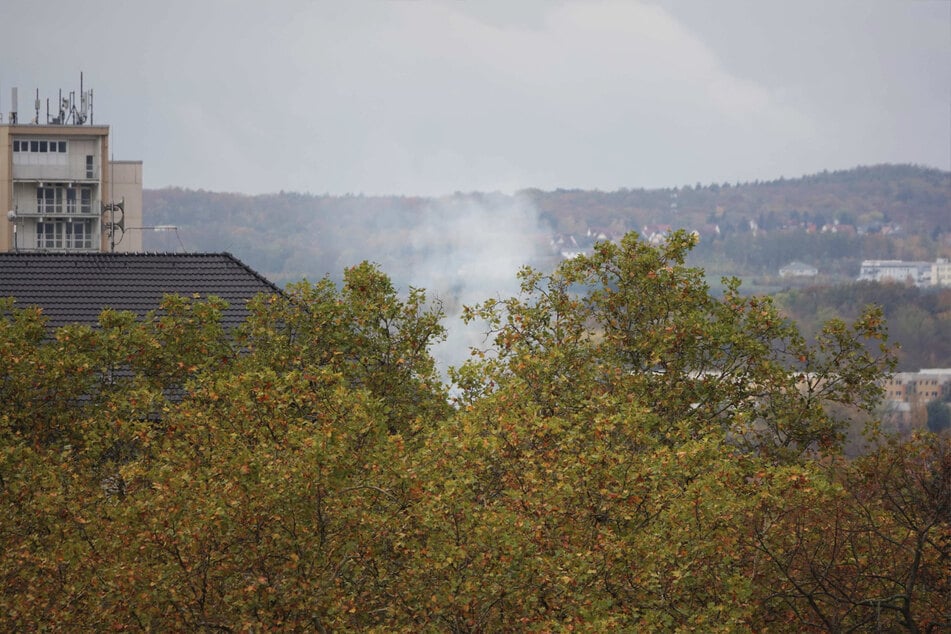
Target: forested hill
{"type": "Point", "coordinates": [831, 219]}
{"type": "Point", "coordinates": [917, 199]}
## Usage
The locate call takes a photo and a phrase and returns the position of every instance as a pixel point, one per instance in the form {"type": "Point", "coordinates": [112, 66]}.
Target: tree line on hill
{"type": "Point", "coordinates": [627, 451]}
{"type": "Point", "coordinates": [747, 229]}
{"type": "Point", "coordinates": [289, 237]}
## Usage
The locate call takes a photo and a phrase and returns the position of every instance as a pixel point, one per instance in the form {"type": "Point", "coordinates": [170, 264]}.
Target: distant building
{"type": "Point", "coordinates": [916, 273]}
{"type": "Point", "coordinates": [908, 393]}
{"type": "Point", "coordinates": [798, 269]}
{"type": "Point", "coordinates": [59, 189]}
{"type": "Point", "coordinates": [941, 272]}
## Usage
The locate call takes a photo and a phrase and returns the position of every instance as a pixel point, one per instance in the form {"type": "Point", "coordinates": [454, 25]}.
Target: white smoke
{"type": "Point", "coordinates": [468, 249]}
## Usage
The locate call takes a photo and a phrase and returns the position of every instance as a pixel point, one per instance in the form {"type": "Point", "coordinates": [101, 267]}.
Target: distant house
{"type": "Point", "coordinates": [798, 269]}
{"type": "Point", "coordinates": [76, 287]}
{"type": "Point", "coordinates": [656, 234]}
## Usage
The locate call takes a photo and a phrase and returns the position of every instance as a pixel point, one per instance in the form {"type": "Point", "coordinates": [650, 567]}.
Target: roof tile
{"type": "Point", "coordinates": [76, 287]}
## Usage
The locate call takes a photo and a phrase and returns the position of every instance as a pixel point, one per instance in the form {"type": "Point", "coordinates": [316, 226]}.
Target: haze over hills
{"type": "Point", "coordinates": [468, 247]}
{"type": "Point", "coordinates": [831, 220]}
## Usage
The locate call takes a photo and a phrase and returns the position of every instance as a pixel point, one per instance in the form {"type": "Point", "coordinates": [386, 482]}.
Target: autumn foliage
{"type": "Point", "coordinates": [627, 453]}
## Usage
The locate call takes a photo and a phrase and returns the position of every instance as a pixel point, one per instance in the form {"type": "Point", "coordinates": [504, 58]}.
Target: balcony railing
{"type": "Point", "coordinates": [81, 212]}
{"type": "Point", "coordinates": [78, 173]}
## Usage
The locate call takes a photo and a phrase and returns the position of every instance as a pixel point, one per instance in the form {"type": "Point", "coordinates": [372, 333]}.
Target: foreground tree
{"type": "Point", "coordinates": [632, 323]}
{"type": "Point", "coordinates": [628, 452]}
{"type": "Point", "coordinates": [612, 446]}
{"type": "Point", "coordinates": [189, 480]}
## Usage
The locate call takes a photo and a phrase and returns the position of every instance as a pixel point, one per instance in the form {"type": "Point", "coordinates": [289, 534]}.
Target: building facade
{"type": "Point", "coordinates": [916, 273]}
{"type": "Point", "coordinates": [907, 394]}
{"type": "Point", "coordinates": [941, 272]}
{"type": "Point", "coordinates": [60, 190]}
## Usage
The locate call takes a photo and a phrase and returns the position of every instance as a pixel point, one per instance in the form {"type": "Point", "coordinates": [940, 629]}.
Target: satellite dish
{"type": "Point", "coordinates": [11, 215]}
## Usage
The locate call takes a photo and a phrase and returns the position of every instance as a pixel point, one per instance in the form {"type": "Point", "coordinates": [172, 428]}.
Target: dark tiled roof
{"type": "Point", "coordinates": [76, 287]}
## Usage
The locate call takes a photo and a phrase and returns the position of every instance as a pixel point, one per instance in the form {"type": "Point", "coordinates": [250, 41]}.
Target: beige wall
{"type": "Point", "coordinates": [6, 188]}
{"type": "Point", "coordinates": [126, 185]}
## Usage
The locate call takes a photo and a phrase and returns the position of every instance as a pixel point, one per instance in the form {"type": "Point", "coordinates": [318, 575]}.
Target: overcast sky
{"type": "Point", "coordinates": [435, 97]}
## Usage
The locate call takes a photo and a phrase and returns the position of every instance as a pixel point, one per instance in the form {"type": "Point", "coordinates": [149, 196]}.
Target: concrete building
{"type": "Point", "coordinates": [59, 189]}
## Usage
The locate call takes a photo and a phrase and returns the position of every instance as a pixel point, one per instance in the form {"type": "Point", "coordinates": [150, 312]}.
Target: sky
{"type": "Point", "coordinates": [431, 98]}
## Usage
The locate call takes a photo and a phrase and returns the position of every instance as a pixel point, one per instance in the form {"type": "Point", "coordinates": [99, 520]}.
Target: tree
{"type": "Point", "coordinates": [608, 457]}
{"type": "Point", "coordinates": [364, 331]}
{"type": "Point", "coordinates": [628, 453]}
{"type": "Point", "coordinates": [633, 321]}
{"type": "Point", "coordinates": [182, 480]}
{"type": "Point", "coordinates": [866, 550]}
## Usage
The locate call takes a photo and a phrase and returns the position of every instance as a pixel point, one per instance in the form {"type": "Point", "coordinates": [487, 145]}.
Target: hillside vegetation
{"type": "Point", "coordinates": [831, 220]}
{"type": "Point", "coordinates": [919, 320]}
{"type": "Point", "coordinates": [449, 245]}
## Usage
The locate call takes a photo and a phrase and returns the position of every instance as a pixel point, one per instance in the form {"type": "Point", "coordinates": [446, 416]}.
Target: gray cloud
{"type": "Point", "coordinates": [434, 97]}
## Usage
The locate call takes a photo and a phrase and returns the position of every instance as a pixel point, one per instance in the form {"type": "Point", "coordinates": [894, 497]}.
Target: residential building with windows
{"type": "Point", "coordinates": [60, 190]}
{"type": "Point", "coordinates": [906, 394]}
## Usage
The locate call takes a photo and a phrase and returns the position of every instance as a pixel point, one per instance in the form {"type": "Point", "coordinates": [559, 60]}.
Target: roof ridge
{"type": "Point", "coordinates": [252, 271]}
{"type": "Point", "coordinates": [74, 287]}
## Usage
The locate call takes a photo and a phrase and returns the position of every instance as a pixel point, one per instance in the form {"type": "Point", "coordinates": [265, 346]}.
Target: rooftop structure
{"type": "Point", "coordinates": [59, 189]}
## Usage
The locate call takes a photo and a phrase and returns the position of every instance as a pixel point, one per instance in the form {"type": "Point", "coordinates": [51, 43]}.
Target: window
{"type": "Point", "coordinates": [38, 146]}
{"type": "Point", "coordinates": [81, 234]}
{"type": "Point", "coordinates": [74, 235]}
{"type": "Point", "coordinates": [56, 200]}
{"type": "Point", "coordinates": [41, 228]}
{"type": "Point", "coordinates": [46, 200]}
{"type": "Point", "coordinates": [85, 200]}
{"type": "Point", "coordinates": [49, 235]}
{"type": "Point", "coordinates": [89, 173]}
{"type": "Point", "coordinates": [71, 200]}
{"type": "Point", "coordinates": [63, 234]}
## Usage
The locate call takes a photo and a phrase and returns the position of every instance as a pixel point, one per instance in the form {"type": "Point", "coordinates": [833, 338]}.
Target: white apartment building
{"type": "Point", "coordinates": [917, 273]}
{"type": "Point", "coordinates": [60, 190]}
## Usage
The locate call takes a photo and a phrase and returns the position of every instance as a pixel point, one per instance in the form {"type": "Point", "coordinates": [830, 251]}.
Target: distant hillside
{"type": "Point", "coordinates": [831, 220]}
{"type": "Point", "coordinates": [916, 198]}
